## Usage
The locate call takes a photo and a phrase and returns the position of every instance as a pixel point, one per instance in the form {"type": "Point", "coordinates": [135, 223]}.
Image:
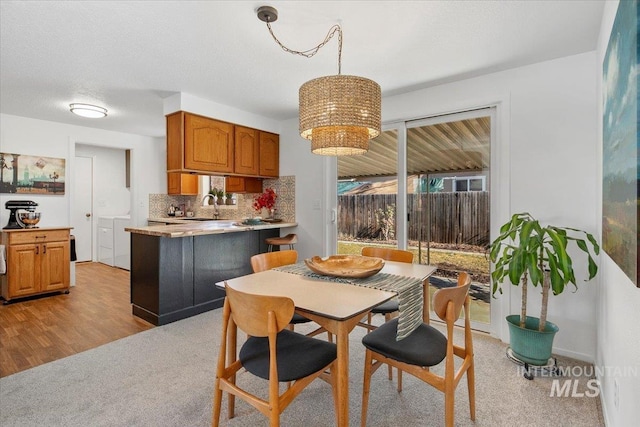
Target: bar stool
{"type": "Point", "coordinates": [289, 239]}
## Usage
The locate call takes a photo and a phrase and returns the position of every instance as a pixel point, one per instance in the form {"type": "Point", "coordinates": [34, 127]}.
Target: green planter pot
{"type": "Point", "coordinates": [528, 344]}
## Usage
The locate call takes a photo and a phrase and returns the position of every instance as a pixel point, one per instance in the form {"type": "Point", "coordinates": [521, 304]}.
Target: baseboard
{"type": "Point", "coordinates": [583, 357]}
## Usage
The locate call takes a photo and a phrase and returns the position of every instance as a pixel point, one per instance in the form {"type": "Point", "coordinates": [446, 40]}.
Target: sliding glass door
{"type": "Point", "coordinates": [444, 194]}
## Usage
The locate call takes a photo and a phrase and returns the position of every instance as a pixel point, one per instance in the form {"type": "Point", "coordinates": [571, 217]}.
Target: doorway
{"type": "Point", "coordinates": [82, 209]}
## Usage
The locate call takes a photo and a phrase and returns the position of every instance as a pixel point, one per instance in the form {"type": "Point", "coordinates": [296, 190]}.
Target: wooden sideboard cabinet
{"type": "Point", "coordinates": [38, 262]}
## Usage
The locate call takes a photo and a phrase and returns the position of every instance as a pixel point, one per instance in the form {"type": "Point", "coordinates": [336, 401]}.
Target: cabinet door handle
{"type": "Point", "coordinates": [44, 249]}
{"type": "Point", "coordinates": [37, 250]}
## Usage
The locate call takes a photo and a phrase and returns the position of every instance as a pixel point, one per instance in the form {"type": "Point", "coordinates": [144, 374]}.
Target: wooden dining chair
{"type": "Point", "coordinates": [426, 346]}
{"type": "Point", "coordinates": [269, 260]}
{"type": "Point", "coordinates": [390, 308]}
{"type": "Point", "coordinates": [271, 352]}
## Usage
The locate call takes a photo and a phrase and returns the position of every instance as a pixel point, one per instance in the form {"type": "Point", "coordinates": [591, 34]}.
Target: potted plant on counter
{"type": "Point", "coordinates": [526, 252]}
{"type": "Point", "coordinates": [266, 200]}
{"type": "Point", "coordinates": [219, 195]}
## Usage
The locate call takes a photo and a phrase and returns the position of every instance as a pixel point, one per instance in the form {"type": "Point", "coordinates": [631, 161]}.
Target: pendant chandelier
{"type": "Point", "coordinates": [338, 114]}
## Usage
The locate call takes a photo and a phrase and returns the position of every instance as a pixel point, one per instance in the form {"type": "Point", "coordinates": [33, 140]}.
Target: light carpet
{"type": "Point", "coordinates": [164, 377]}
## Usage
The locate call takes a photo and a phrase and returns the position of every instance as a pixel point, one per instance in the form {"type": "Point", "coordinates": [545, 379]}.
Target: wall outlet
{"type": "Point", "coordinates": [316, 204]}
{"type": "Point", "coordinates": [616, 393]}
{"type": "Point", "coordinates": [141, 203]}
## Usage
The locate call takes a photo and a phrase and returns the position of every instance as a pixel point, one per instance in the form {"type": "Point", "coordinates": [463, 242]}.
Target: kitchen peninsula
{"type": "Point", "coordinates": [174, 267]}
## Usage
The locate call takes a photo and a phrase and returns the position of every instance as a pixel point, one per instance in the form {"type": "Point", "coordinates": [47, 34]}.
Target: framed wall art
{"type": "Point", "coordinates": [620, 169]}
{"type": "Point", "coordinates": [22, 174]}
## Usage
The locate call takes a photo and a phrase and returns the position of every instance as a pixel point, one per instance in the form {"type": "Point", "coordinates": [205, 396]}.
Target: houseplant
{"type": "Point", "coordinates": [219, 194]}
{"type": "Point", "coordinates": [266, 200]}
{"type": "Point", "coordinates": [526, 252]}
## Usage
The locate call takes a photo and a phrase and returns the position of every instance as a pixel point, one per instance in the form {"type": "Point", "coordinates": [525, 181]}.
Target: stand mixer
{"type": "Point", "coordinates": [19, 220]}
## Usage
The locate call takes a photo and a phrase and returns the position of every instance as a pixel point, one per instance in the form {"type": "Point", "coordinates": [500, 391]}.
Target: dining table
{"type": "Point", "coordinates": [337, 306]}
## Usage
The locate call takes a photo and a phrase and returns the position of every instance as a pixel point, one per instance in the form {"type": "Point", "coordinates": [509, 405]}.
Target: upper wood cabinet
{"type": "Point", "coordinates": [199, 144]}
{"type": "Point", "coordinates": [269, 154]}
{"type": "Point", "coordinates": [182, 184]}
{"type": "Point", "coordinates": [241, 184]}
{"type": "Point", "coordinates": [247, 151]}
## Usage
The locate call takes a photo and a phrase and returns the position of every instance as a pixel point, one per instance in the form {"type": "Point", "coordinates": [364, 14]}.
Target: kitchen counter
{"type": "Point", "coordinates": [183, 227]}
{"type": "Point", "coordinates": [174, 268]}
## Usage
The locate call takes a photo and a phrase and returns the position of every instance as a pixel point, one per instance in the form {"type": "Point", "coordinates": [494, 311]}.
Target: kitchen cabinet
{"type": "Point", "coordinates": [247, 151]}
{"type": "Point", "coordinates": [174, 278]}
{"type": "Point", "coordinates": [38, 262]}
{"type": "Point", "coordinates": [239, 184]}
{"type": "Point", "coordinates": [199, 144]}
{"type": "Point", "coordinates": [269, 154]}
{"type": "Point", "coordinates": [182, 184]}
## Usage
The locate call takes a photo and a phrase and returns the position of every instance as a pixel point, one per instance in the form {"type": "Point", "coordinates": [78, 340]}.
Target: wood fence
{"type": "Point", "coordinates": [456, 218]}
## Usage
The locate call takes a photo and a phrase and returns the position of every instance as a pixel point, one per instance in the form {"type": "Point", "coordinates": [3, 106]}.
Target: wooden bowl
{"type": "Point", "coordinates": [354, 266]}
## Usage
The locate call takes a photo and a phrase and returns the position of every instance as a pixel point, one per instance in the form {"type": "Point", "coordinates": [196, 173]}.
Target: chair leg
{"type": "Point", "coordinates": [471, 384]}
{"type": "Point", "coordinates": [387, 317]}
{"type": "Point", "coordinates": [333, 370]}
{"type": "Point", "coordinates": [366, 385]}
{"type": "Point", "coordinates": [217, 405]}
{"type": "Point", "coordinates": [449, 395]}
{"type": "Point", "coordinates": [369, 319]}
{"type": "Point", "coordinates": [399, 380]}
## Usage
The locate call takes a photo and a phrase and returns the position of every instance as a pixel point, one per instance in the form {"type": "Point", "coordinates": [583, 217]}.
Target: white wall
{"type": "Point", "coordinates": [617, 314]}
{"type": "Point", "coordinates": [544, 163]}
{"type": "Point", "coordinates": [43, 138]}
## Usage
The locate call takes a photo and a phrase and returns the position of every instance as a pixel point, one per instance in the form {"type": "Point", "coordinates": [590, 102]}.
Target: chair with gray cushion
{"type": "Point", "coordinates": [271, 352]}
{"type": "Point", "coordinates": [425, 347]}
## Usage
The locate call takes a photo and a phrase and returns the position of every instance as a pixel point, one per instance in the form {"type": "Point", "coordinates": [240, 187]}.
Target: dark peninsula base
{"type": "Point", "coordinates": [174, 278]}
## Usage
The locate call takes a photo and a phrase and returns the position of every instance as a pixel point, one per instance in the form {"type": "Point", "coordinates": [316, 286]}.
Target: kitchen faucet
{"type": "Point", "coordinates": [216, 212]}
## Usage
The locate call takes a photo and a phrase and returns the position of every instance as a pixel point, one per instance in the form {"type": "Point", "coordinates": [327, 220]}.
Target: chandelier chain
{"type": "Point", "coordinates": [310, 52]}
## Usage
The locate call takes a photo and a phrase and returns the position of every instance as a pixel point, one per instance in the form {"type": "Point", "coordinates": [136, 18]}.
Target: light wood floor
{"type": "Point", "coordinates": [95, 312]}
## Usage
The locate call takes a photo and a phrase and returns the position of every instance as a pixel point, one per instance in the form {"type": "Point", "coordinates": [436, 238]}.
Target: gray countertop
{"type": "Point", "coordinates": [180, 227]}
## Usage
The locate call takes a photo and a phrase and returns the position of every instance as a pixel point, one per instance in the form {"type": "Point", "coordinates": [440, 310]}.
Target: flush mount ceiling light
{"type": "Point", "coordinates": [88, 110]}
{"type": "Point", "coordinates": [340, 113]}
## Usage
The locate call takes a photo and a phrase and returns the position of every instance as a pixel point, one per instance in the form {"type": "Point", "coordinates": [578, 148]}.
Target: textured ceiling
{"type": "Point", "coordinates": [129, 55]}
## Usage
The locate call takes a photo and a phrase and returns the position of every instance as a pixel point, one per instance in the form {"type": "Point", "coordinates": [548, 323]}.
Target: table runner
{"type": "Point", "coordinates": [408, 289]}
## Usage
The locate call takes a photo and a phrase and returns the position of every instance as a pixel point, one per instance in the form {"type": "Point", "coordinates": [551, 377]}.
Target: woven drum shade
{"type": "Point", "coordinates": [340, 114]}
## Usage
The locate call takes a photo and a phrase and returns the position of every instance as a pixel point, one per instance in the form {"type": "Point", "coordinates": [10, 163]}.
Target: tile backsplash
{"type": "Point", "coordinates": [284, 186]}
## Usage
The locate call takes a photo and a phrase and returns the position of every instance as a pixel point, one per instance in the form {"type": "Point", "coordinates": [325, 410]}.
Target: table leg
{"type": "Point", "coordinates": [342, 341]}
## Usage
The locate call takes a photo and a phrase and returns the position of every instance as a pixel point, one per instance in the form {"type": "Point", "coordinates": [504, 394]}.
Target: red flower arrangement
{"type": "Point", "coordinates": [265, 200]}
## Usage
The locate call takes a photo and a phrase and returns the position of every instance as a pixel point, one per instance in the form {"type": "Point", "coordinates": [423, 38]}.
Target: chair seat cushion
{"type": "Point", "coordinates": [298, 355]}
{"type": "Point", "coordinates": [426, 346]}
{"type": "Point", "coordinates": [390, 306]}
{"type": "Point", "coordinates": [298, 318]}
